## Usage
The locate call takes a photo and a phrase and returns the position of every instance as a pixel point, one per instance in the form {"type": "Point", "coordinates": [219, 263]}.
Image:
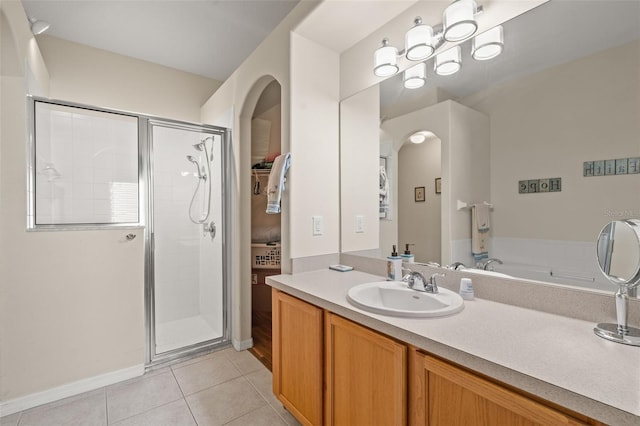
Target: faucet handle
{"type": "Point", "coordinates": [433, 285]}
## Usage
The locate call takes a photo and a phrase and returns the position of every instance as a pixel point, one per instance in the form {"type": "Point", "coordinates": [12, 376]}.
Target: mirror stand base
{"type": "Point", "coordinates": [610, 332]}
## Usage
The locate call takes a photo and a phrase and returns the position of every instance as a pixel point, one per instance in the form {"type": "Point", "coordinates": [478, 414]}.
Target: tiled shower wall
{"type": "Point", "coordinates": [188, 264]}
{"type": "Point", "coordinates": [86, 166]}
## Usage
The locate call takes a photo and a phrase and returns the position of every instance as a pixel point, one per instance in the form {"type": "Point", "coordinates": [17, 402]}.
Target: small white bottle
{"type": "Point", "coordinates": [466, 288]}
{"type": "Point", "coordinates": [394, 266]}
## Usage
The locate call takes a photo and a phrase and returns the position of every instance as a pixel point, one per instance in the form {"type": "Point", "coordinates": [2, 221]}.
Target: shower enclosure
{"type": "Point", "coordinates": [186, 265]}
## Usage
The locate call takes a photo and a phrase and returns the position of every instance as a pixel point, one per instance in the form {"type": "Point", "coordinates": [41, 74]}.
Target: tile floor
{"type": "Point", "coordinates": [221, 388]}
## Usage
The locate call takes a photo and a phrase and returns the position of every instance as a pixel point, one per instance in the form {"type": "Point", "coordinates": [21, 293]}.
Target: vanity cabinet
{"type": "Point", "coordinates": [329, 370]}
{"type": "Point", "coordinates": [298, 357]}
{"type": "Point", "coordinates": [366, 375]}
{"type": "Point", "coordinates": [443, 394]}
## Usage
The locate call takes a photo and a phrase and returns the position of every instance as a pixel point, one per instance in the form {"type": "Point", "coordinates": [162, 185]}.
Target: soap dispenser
{"type": "Point", "coordinates": [394, 266]}
{"type": "Point", "coordinates": [407, 256]}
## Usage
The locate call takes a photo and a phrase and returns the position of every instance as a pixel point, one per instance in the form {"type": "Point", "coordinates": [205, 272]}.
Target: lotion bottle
{"type": "Point", "coordinates": [407, 256]}
{"type": "Point", "coordinates": [394, 266]}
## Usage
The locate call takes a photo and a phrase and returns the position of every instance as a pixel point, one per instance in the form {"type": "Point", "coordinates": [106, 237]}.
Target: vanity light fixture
{"type": "Point", "coordinates": [385, 60]}
{"type": "Point", "coordinates": [488, 45]}
{"type": "Point", "coordinates": [419, 41]}
{"type": "Point", "coordinates": [448, 62]}
{"type": "Point", "coordinates": [422, 41]}
{"type": "Point", "coordinates": [459, 20]}
{"type": "Point", "coordinates": [38, 27]}
{"type": "Point", "coordinates": [416, 76]}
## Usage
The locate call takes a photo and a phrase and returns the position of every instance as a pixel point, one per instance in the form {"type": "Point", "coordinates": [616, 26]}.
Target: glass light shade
{"type": "Point", "coordinates": [415, 77]}
{"type": "Point", "coordinates": [448, 62]}
{"type": "Point", "coordinates": [488, 45]}
{"type": "Point", "coordinates": [418, 137]}
{"type": "Point", "coordinates": [419, 41]}
{"type": "Point", "coordinates": [459, 22]}
{"type": "Point", "coordinates": [385, 60]}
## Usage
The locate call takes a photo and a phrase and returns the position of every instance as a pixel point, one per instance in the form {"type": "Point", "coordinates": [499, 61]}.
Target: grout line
{"type": "Point", "coordinates": [178, 383]}
{"type": "Point", "coordinates": [106, 405]}
{"type": "Point", "coordinates": [246, 414]}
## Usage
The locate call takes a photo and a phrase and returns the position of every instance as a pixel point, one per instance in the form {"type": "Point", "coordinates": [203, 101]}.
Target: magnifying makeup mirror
{"type": "Point", "coordinates": [618, 251]}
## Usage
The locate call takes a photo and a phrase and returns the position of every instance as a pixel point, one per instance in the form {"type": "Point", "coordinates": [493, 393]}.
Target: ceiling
{"type": "Point", "coordinates": [205, 37]}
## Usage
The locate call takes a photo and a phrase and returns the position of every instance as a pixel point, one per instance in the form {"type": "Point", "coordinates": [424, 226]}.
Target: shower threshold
{"type": "Point", "coordinates": [176, 334]}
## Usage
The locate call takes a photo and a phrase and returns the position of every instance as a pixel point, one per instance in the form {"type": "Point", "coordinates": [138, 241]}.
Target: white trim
{"type": "Point", "coordinates": [242, 345]}
{"type": "Point", "coordinates": [70, 389]}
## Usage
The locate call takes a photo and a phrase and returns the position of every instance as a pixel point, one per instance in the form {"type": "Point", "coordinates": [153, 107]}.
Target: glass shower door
{"type": "Point", "coordinates": [187, 240]}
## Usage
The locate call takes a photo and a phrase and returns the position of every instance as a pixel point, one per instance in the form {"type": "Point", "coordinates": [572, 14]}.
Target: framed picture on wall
{"type": "Point", "coordinates": [438, 185]}
{"type": "Point", "coordinates": [419, 193]}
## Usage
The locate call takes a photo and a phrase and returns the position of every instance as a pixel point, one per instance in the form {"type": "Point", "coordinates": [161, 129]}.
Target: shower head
{"type": "Point", "coordinates": [200, 146]}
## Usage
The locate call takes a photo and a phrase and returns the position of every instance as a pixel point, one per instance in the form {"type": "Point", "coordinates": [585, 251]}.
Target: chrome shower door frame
{"type": "Point", "coordinates": [153, 359]}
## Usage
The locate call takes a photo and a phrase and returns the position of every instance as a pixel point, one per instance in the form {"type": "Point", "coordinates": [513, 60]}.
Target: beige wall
{"type": "Point", "coordinates": [92, 76]}
{"type": "Point", "coordinates": [240, 94]}
{"type": "Point", "coordinates": [546, 125]}
{"type": "Point", "coordinates": [419, 222]}
{"type": "Point", "coordinates": [72, 303]}
{"type": "Point", "coordinates": [359, 157]}
{"type": "Point", "coordinates": [315, 176]}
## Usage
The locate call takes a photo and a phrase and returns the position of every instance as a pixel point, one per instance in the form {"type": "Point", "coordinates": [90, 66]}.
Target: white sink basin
{"type": "Point", "coordinates": [396, 299]}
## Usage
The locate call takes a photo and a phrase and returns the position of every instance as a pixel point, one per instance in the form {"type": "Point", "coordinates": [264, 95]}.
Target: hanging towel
{"type": "Point", "coordinates": [480, 231]}
{"type": "Point", "coordinates": [276, 182]}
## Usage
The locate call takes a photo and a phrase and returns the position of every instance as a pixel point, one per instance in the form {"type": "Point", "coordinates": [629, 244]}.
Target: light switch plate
{"type": "Point", "coordinates": [317, 225]}
{"type": "Point", "coordinates": [359, 224]}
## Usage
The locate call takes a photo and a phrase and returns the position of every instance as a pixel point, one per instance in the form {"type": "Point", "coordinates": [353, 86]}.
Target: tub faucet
{"type": "Point", "coordinates": [484, 264]}
{"type": "Point", "coordinates": [456, 266]}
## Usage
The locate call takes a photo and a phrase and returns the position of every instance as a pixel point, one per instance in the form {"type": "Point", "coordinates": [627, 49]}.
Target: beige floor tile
{"type": "Point", "coordinates": [175, 413]}
{"type": "Point", "coordinates": [264, 416]}
{"type": "Point", "coordinates": [204, 374]}
{"type": "Point", "coordinates": [86, 410]}
{"type": "Point", "coordinates": [208, 355]}
{"type": "Point", "coordinates": [262, 381]}
{"type": "Point", "coordinates": [225, 402]}
{"type": "Point", "coordinates": [245, 361]}
{"type": "Point", "coordinates": [136, 396]}
{"type": "Point", "coordinates": [10, 420]}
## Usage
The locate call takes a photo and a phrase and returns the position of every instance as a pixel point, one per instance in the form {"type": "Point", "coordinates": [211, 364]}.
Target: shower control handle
{"type": "Point", "coordinates": [210, 229]}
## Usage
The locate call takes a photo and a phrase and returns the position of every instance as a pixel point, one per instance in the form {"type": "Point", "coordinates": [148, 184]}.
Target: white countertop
{"type": "Point", "coordinates": [557, 358]}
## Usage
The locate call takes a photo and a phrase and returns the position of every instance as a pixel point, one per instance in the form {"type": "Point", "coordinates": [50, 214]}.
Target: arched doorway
{"type": "Point", "coordinates": [265, 228]}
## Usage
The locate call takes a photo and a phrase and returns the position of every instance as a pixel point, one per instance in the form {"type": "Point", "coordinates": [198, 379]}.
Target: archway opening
{"type": "Point", "coordinates": [266, 143]}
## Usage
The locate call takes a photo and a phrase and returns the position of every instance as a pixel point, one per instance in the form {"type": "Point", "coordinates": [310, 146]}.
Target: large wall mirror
{"type": "Point", "coordinates": [561, 101]}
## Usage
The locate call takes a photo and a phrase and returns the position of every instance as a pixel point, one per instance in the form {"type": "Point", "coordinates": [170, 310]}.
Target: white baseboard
{"type": "Point", "coordinates": [242, 345]}
{"type": "Point", "coordinates": [70, 389]}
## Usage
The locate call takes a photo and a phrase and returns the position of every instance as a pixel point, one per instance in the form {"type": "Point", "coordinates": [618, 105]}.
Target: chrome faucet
{"type": "Point", "coordinates": [428, 286]}
{"type": "Point", "coordinates": [484, 264]}
{"type": "Point", "coordinates": [457, 266]}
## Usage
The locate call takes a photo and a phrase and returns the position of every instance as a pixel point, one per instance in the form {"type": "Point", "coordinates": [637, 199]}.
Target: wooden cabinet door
{"type": "Point", "coordinates": [445, 395]}
{"type": "Point", "coordinates": [298, 357]}
{"type": "Point", "coordinates": [365, 376]}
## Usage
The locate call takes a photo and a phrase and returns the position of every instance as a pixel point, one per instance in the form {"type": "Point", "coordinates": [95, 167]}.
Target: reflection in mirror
{"type": "Point", "coordinates": [619, 252]}
{"type": "Point", "coordinates": [619, 259]}
{"type": "Point", "coordinates": [557, 103]}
